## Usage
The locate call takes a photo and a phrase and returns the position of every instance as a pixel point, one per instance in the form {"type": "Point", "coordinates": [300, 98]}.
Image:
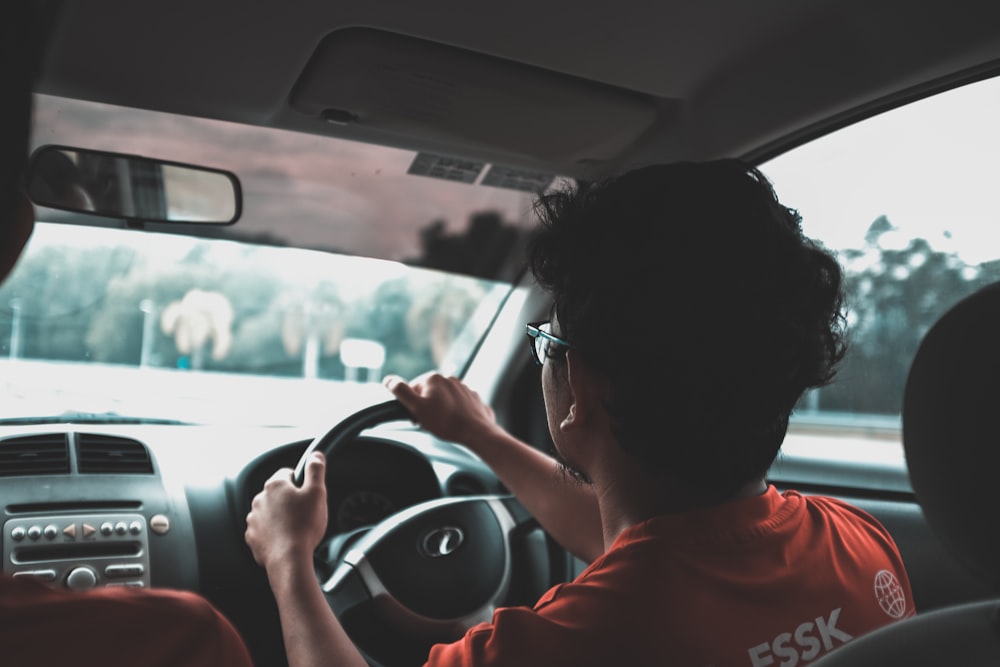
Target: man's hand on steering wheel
{"type": "Point", "coordinates": [444, 406]}
{"type": "Point", "coordinates": [287, 522]}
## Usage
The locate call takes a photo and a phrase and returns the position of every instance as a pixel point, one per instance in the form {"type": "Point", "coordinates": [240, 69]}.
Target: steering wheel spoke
{"type": "Point", "coordinates": [345, 590]}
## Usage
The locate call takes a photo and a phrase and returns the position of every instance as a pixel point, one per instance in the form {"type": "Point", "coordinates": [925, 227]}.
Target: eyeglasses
{"type": "Point", "coordinates": [541, 341]}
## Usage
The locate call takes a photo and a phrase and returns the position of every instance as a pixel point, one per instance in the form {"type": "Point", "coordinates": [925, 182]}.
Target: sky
{"type": "Point", "coordinates": [932, 167]}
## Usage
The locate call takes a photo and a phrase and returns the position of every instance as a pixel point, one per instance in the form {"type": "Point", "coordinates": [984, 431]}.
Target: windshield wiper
{"type": "Point", "coordinates": [73, 417]}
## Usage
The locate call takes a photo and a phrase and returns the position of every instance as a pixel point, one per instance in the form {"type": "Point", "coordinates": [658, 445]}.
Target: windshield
{"type": "Point", "coordinates": [344, 267]}
{"type": "Point", "coordinates": [907, 199]}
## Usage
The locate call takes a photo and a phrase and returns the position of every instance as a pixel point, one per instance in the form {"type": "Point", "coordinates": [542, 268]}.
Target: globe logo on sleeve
{"type": "Point", "coordinates": [889, 593]}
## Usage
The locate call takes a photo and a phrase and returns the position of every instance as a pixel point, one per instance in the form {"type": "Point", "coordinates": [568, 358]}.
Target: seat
{"type": "Point", "coordinates": [951, 436]}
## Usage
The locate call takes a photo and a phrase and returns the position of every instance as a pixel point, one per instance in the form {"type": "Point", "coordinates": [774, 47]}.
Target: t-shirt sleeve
{"type": "Point", "coordinates": [874, 536]}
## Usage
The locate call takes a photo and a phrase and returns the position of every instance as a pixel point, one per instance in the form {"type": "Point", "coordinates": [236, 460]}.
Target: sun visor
{"type": "Point", "coordinates": [452, 97]}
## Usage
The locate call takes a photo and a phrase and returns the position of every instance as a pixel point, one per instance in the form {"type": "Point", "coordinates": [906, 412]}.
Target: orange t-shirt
{"type": "Point", "coordinates": [112, 627]}
{"type": "Point", "coordinates": [774, 580]}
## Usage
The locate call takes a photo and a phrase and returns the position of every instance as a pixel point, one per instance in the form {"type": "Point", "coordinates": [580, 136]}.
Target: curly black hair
{"type": "Point", "coordinates": [692, 289]}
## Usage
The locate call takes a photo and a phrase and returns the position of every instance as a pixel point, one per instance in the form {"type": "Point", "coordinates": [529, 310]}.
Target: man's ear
{"type": "Point", "coordinates": [584, 391]}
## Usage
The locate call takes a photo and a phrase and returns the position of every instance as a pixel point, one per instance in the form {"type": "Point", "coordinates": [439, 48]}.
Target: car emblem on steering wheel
{"type": "Point", "coordinates": [442, 541]}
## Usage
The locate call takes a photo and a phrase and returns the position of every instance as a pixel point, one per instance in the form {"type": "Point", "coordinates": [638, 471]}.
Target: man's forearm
{"type": "Point", "coordinates": [313, 635]}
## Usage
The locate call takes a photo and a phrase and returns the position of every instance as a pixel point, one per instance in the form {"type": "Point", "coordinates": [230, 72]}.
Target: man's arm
{"type": "Point", "coordinates": [284, 527]}
{"type": "Point", "coordinates": [313, 635]}
{"type": "Point", "coordinates": [566, 509]}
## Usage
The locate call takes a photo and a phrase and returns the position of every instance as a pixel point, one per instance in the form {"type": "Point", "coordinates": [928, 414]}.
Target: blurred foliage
{"type": "Point", "coordinates": [104, 303]}
{"type": "Point", "coordinates": [894, 295]}
{"type": "Point", "coordinates": [87, 305]}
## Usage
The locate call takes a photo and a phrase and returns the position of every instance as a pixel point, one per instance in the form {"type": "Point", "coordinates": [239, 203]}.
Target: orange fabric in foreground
{"type": "Point", "coordinates": [111, 627]}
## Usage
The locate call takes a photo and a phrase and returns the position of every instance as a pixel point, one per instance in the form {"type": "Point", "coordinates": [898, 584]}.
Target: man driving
{"type": "Point", "coordinates": [690, 314]}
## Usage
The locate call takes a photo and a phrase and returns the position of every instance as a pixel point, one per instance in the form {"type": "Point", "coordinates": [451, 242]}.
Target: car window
{"type": "Point", "coordinates": [350, 261]}
{"type": "Point", "coordinates": [908, 201]}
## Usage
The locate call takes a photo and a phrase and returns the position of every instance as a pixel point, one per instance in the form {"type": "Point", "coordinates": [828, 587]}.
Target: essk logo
{"type": "Point", "coordinates": [803, 644]}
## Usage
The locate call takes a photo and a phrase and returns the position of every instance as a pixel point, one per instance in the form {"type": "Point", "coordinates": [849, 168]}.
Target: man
{"type": "Point", "coordinates": [41, 624]}
{"type": "Point", "coordinates": [689, 315]}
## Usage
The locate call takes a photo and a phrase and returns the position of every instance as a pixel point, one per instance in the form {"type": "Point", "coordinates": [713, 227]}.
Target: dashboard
{"type": "Point", "coordinates": [90, 505]}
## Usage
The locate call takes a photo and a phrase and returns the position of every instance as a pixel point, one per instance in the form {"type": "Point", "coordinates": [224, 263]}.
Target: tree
{"type": "Point", "coordinates": [313, 325]}
{"type": "Point", "coordinates": [116, 329]}
{"type": "Point", "coordinates": [197, 318]}
{"type": "Point", "coordinates": [484, 250]}
{"type": "Point", "coordinates": [58, 289]}
{"type": "Point", "coordinates": [893, 296]}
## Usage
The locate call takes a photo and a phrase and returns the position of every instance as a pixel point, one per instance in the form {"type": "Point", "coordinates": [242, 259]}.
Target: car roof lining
{"type": "Point", "coordinates": [790, 69]}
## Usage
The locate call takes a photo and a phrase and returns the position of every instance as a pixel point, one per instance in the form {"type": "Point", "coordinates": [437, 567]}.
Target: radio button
{"type": "Point", "coordinates": [44, 575]}
{"type": "Point", "coordinates": [118, 571]}
{"type": "Point", "coordinates": [81, 579]}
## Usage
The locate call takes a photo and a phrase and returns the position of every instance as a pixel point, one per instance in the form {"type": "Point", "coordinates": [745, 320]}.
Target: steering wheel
{"type": "Point", "coordinates": [432, 570]}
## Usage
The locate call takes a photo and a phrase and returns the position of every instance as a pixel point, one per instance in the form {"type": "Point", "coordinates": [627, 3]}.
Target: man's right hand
{"type": "Point", "coordinates": [446, 407]}
{"type": "Point", "coordinates": [286, 522]}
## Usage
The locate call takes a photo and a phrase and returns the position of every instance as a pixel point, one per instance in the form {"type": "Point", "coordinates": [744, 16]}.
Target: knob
{"type": "Point", "coordinates": [160, 524]}
{"type": "Point", "coordinates": [81, 579]}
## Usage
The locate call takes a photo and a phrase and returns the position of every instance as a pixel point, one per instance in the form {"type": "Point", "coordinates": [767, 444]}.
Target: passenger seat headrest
{"type": "Point", "coordinates": [951, 430]}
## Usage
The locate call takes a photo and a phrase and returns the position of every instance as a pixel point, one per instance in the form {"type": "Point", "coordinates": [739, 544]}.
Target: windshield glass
{"type": "Point", "coordinates": [908, 201]}
{"type": "Point", "coordinates": [344, 267]}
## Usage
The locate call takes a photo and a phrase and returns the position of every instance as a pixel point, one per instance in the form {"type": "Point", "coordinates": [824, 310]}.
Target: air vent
{"type": "Point", "coordinates": [107, 454]}
{"type": "Point", "coordinates": [46, 454]}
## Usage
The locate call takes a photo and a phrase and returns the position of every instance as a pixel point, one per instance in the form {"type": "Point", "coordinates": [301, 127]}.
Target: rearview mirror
{"type": "Point", "coordinates": [132, 188]}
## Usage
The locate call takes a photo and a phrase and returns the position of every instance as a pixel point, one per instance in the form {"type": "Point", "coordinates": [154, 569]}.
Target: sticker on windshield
{"type": "Point", "coordinates": [518, 179]}
{"type": "Point", "coordinates": [448, 168]}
